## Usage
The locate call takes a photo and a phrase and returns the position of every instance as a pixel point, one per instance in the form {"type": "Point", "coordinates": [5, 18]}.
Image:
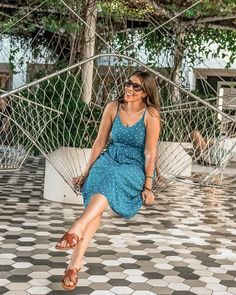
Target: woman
{"type": "Point", "coordinates": [215, 151]}
{"type": "Point", "coordinates": [122, 175]}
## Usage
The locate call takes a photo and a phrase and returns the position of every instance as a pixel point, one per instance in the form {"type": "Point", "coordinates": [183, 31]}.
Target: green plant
{"type": "Point", "coordinates": [77, 126]}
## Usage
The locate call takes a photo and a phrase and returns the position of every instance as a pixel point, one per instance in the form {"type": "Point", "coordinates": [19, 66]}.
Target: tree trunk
{"type": "Point", "coordinates": [178, 59]}
{"type": "Point", "coordinates": [88, 49]}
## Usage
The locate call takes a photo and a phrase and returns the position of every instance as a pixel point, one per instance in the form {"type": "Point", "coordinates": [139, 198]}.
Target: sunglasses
{"type": "Point", "coordinates": [137, 87]}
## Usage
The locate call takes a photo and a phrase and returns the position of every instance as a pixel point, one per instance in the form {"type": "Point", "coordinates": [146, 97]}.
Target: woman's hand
{"type": "Point", "coordinates": [80, 180]}
{"type": "Point", "coordinates": [148, 197]}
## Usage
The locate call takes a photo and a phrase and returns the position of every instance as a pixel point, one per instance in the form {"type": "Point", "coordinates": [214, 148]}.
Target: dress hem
{"type": "Point", "coordinates": [88, 198]}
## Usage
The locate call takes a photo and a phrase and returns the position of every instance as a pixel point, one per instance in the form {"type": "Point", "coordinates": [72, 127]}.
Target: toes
{"type": "Point", "coordinates": [68, 282]}
{"type": "Point", "coordinates": [59, 245]}
{"type": "Point", "coordinates": [62, 244]}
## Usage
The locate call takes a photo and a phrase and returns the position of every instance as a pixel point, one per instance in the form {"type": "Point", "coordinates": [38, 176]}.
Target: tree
{"type": "Point", "coordinates": [51, 24]}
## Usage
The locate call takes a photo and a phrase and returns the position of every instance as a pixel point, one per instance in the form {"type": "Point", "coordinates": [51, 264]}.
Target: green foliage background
{"type": "Point", "coordinates": [197, 40]}
{"type": "Point", "coordinates": [78, 125]}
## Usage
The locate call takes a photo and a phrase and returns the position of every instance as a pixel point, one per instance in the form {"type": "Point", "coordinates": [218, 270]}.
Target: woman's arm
{"type": "Point", "coordinates": [152, 136]}
{"type": "Point", "coordinates": [103, 135]}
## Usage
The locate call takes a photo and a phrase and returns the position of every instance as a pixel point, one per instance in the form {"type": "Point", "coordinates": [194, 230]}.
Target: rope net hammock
{"type": "Point", "coordinates": [17, 115]}
{"type": "Point", "coordinates": [58, 115]}
{"type": "Point", "coordinates": [67, 110]}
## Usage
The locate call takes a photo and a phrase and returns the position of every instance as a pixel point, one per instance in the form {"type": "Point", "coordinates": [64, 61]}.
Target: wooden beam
{"type": "Point", "coordinates": [26, 8]}
{"type": "Point", "coordinates": [216, 18]}
{"type": "Point", "coordinates": [216, 26]}
{"type": "Point", "coordinates": [7, 5]}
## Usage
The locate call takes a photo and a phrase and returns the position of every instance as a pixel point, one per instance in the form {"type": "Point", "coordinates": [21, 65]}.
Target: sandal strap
{"type": "Point", "coordinates": [71, 239]}
{"type": "Point", "coordinates": [71, 274]}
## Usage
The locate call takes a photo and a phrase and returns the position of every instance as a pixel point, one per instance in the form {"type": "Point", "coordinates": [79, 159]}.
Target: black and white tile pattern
{"type": "Point", "coordinates": [184, 245]}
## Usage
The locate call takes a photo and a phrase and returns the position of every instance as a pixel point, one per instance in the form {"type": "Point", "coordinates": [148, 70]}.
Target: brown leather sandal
{"type": "Point", "coordinates": [71, 239]}
{"type": "Point", "coordinates": [72, 275]}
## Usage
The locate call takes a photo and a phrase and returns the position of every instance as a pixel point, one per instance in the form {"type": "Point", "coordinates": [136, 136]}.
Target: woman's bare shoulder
{"type": "Point", "coordinates": [112, 105]}
{"type": "Point", "coordinates": [152, 113]}
{"type": "Point", "coordinates": [111, 109]}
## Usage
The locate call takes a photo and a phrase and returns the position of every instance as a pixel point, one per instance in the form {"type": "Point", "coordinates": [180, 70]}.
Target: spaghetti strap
{"type": "Point", "coordinates": [143, 117]}
{"type": "Point", "coordinates": [117, 112]}
{"type": "Point", "coordinates": [118, 108]}
{"type": "Point", "coordinates": [144, 113]}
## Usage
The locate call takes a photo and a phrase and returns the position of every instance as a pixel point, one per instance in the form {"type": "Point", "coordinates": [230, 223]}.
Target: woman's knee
{"type": "Point", "coordinates": [195, 135]}
{"type": "Point", "coordinates": [99, 198]}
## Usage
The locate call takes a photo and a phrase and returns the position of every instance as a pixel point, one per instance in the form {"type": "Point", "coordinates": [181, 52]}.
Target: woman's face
{"type": "Point", "coordinates": [133, 90]}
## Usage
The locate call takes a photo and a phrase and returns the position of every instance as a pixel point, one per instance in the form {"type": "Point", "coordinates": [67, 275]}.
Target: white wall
{"type": "Point", "coordinates": [211, 63]}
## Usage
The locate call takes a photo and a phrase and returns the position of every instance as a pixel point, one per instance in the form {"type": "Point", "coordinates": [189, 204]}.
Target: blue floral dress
{"type": "Point", "coordinates": [119, 172]}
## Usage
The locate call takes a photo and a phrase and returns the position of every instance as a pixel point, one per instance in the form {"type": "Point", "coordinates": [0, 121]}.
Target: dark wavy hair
{"type": "Point", "coordinates": [149, 85]}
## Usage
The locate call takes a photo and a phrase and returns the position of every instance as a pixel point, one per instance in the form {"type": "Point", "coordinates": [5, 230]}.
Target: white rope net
{"type": "Point", "coordinates": [67, 139]}
{"type": "Point", "coordinates": [18, 117]}
{"type": "Point", "coordinates": [81, 91]}
{"type": "Point", "coordinates": [195, 144]}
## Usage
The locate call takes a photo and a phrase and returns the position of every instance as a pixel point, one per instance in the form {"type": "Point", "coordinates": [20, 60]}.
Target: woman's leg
{"type": "Point", "coordinates": [96, 206]}
{"type": "Point", "coordinates": [199, 143]}
{"type": "Point", "coordinates": [80, 249]}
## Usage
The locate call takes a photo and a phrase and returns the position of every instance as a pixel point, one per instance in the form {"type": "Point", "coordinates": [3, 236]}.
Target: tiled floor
{"type": "Point", "coordinates": [183, 245]}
